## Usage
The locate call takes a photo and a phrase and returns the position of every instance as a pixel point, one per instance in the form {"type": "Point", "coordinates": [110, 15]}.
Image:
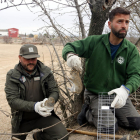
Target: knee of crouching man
{"type": "Point", "coordinates": [134, 122]}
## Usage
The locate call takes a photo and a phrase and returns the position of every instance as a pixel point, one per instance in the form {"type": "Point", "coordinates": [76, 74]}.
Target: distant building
{"type": "Point", "coordinates": [13, 32]}
{"type": "Point", "coordinates": [3, 32]}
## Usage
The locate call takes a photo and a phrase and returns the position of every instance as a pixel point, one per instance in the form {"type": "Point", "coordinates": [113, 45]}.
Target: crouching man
{"type": "Point", "coordinates": [27, 88]}
{"type": "Point", "coordinates": [112, 66]}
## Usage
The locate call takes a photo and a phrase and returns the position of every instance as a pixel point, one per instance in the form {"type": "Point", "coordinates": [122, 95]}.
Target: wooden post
{"type": "Point", "coordinates": [95, 134]}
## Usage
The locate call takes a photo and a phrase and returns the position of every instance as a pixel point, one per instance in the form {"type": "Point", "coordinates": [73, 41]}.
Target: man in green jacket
{"type": "Point", "coordinates": [28, 87]}
{"type": "Point", "coordinates": [112, 66]}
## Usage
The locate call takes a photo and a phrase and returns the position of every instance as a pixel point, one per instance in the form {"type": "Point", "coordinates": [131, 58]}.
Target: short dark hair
{"type": "Point", "coordinates": [116, 11]}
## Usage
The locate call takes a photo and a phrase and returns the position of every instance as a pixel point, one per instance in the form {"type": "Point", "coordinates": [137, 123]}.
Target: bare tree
{"type": "Point", "coordinates": [96, 11]}
{"type": "Point", "coordinates": [7, 39]}
{"type": "Point", "coordinates": [99, 10]}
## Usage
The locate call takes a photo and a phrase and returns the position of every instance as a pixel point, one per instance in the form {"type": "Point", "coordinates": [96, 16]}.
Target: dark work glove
{"type": "Point", "coordinates": [82, 115]}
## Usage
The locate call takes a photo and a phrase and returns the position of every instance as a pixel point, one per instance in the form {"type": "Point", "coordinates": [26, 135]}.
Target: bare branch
{"type": "Point", "coordinates": [16, 5]}
{"type": "Point", "coordinates": [132, 4]}
{"type": "Point", "coordinates": [80, 19]}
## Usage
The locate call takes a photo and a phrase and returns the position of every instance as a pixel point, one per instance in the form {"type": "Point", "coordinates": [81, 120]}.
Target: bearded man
{"type": "Point", "coordinates": [112, 67]}
{"type": "Point", "coordinates": [28, 86]}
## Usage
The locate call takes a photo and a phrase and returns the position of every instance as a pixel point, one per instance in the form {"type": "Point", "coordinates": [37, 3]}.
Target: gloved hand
{"type": "Point", "coordinates": [121, 96]}
{"type": "Point", "coordinates": [74, 61]}
{"type": "Point", "coordinates": [41, 110]}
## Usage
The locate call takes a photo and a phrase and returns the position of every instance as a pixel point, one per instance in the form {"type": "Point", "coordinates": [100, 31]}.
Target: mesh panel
{"type": "Point", "coordinates": [106, 118]}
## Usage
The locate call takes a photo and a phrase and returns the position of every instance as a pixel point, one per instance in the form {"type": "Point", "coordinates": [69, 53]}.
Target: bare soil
{"type": "Point", "coordinates": [8, 59]}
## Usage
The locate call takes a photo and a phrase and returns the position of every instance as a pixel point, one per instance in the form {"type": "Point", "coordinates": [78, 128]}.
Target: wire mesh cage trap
{"type": "Point", "coordinates": [106, 117]}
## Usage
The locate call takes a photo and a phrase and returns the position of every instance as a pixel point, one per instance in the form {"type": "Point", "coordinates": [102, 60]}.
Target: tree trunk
{"type": "Point", "coordinates": [100, 10]}
{"type": "Point", "coordinates": [99, 16]}
{"type": "Point", "coordinates": [97, 22]}
{"type": "Point", "coordinates": [78, 100]}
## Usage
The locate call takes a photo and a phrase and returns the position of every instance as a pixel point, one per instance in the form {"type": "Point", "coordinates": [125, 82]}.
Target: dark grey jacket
{"type": "Point", "coordinates": [15, 92]}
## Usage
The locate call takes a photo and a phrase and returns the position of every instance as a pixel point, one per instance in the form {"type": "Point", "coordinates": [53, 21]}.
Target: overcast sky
{"type": "Point", "coordinates": [28, 22]}
{"type": "Point", "coordinates": [25, 20]}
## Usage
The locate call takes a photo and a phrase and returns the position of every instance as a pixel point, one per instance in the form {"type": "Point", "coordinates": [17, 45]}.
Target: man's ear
{"type": "Point", "coordinates": [109, 24]}
{"type": "Point", "coordinates": [19, 58]}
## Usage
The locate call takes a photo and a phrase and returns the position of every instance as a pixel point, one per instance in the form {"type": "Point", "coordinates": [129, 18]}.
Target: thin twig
{"type": "Point", "coordinates": [73, 131]}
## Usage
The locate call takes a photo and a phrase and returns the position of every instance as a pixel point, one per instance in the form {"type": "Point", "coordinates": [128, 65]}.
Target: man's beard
{"type": "Point", "coordinates": [118, 34]}
{"type": "Point", "coordinates": [26, 68]}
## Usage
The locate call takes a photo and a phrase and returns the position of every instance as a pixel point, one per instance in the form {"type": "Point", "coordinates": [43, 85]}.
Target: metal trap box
{"type": "Point", "coordinates": [106, 117]}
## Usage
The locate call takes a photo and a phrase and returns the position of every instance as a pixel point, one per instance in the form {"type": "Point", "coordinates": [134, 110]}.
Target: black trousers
{"type": "Point", "coordinates": [54, 133]}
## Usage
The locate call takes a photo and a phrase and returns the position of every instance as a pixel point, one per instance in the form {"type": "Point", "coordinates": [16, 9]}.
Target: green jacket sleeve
{"type": "Point", "coordinates": [133, 71]}
{"type": "Point", "coordinates": [81, 47]}
{"type": "Point", "coordinates": [13, 97]}
{"type": "Point", "coordinates": [53, 87]}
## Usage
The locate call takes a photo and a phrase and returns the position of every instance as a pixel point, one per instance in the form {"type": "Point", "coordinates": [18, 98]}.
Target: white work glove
{"type": "Point", "coordinates": [122, 94]}
{"type": "Point", "coordinates": [41, 110]}
{"type": "Point", "coordinates": [74, 62]}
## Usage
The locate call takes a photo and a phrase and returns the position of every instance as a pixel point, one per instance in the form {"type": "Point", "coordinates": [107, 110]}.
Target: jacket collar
{"type": "Point", "coordinates": [106, 43]}
{"type": "Point", "coordinates": [44, 71]}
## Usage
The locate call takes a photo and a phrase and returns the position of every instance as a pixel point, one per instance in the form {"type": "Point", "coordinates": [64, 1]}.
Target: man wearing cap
{"type": "Point", "coordinates": [27, 87]}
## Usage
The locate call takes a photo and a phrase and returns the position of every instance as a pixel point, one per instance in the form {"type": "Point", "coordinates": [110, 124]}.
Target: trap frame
{"type": "Point", "coordinates": [106, 117]}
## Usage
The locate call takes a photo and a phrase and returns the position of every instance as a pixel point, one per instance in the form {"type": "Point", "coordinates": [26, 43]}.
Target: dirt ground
{"type": "Point", "coordinates": [8, 59]}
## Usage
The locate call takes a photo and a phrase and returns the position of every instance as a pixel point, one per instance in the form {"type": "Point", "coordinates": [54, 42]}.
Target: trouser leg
{"type": "Point", "coordinates": [128, 116]}
{"type": "Point", "coordinates": [24, 127]}
{"type": "Point", "coordinates": [53, 133]}
{"type": "Point", "coordinates": [92, 114]}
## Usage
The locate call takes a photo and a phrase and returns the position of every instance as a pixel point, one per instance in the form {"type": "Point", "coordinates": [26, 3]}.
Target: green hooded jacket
{"type": "Point", "coordinates": [15, 92]}
{"type": "Point", "coordinates": [103, 74]}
